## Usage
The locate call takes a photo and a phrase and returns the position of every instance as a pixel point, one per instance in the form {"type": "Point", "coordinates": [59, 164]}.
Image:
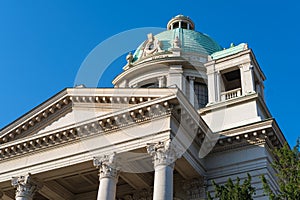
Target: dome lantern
{"type": "Point", "coordinates": [181, 21]}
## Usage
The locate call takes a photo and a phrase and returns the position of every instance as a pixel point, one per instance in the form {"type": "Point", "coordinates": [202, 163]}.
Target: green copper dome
{"type": "Point", "coordinates": [179, 36]}
{"type": "Point", "coordinates": [190, 41]}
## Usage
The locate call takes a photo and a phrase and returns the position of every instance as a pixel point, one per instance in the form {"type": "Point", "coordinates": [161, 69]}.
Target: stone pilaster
{"type": "Point", "coordinates": [164, 156]}
{"type": "Point", "coordinates": [108, 176]}
{"type": "Point", "coordinates": [247, 79]}
{"type": "Point", "coordinates": [162, 81]}
{"type": "Point", "coordinates": [26, 186]}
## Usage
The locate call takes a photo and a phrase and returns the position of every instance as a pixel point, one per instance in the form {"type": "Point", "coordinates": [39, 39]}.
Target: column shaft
{"type": "Point", "coordinates": [163, 183]}
{"type": "Point", "coordinates": [107, 189]}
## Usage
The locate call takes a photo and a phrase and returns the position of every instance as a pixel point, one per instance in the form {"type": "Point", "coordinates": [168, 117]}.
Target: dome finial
{"type": "Point", "coordinates": [181, 21]}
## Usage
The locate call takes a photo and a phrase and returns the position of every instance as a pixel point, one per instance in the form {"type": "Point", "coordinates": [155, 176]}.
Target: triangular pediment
{"type": "Point", "coordinates": [75, 105]}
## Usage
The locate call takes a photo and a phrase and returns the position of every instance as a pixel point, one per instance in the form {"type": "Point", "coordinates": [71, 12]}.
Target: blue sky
{"type": "Point", "coordinates": [43, 43]}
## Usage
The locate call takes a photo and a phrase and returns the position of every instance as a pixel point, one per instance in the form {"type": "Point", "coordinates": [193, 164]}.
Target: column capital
{"type": "Point", "coordinates": [107, 165]}
{"type": "Point", "coordinates": [163, 153]}
{"type": "Point", "coordinates": [26, 186]}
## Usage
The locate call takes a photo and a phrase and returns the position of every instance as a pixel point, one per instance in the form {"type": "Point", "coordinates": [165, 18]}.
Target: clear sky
{"type": "Point", "coordinates": [44, 42]}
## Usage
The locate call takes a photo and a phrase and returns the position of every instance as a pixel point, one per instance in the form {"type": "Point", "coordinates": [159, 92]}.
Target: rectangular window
{"type": "Point", "coordinates": [201, 94]}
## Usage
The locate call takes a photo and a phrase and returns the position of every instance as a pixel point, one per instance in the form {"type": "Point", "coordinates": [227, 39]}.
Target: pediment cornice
{"type": "Point", "coordinates": [35, 117]}
{"type": "Point", "coordinates": [63, 102]}
{"type": "Point", "coordinates": [141, 112]}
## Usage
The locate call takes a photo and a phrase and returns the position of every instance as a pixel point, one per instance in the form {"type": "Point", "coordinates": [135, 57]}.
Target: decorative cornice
{"type": "Point", "coordinates": [102, 125]}
{"type": "Point", "coordinates": [28, 124]}
{"type": "Point", "coordinates": [165, 58]}
{"type": "Point", "coordinates": [110, 99]}
{"type": "Point", "coordinates": [35, 118]}
{"type": "Point", "coordinates": [258, 137]}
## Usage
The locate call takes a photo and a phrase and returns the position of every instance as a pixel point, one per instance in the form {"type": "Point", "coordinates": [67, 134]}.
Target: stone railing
{"type": "Point", "coordinates": [231, 94]}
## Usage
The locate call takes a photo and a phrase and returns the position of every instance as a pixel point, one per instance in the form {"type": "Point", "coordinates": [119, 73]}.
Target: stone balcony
{"type": "Point", "coordinates": [231, 94]}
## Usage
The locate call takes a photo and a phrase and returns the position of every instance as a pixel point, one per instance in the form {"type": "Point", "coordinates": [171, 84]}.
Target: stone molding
{"type": "Point", "coordinates": [107, 165]}
{"type": "Point", "coordinates": [38, 118]}
{"type": "Point", "coordinates": [104, 124]}
{"type": "Point", "coordinates": [67, 97]}
{"type": "Point", "coordinates": [163, 153]}
{"type": "Point", "coordinates": [26, 186]}
{"type": "Point", "coordinates": [258, 137]}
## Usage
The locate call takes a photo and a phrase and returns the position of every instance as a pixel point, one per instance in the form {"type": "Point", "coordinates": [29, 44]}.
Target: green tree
{"type": "Point", "coordinates": [231, 191]}
{"type": "Point", "coordinates": [287, 165]}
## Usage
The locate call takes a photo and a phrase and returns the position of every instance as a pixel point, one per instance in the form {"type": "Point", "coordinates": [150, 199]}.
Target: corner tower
{"type": "Point", "coordinates": [235, 88]}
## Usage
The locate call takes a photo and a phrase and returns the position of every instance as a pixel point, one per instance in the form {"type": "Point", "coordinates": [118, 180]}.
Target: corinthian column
{"type": "Point", "coordinates": [26, 187]}
{"type": "Point", "coordinates": [108, 176]}
{"type": "Point", "coordinates": [164, 156]}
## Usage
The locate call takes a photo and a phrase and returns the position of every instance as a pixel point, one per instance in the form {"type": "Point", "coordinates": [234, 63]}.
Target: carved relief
{"type": "Point", "coordinates": [152, 46]}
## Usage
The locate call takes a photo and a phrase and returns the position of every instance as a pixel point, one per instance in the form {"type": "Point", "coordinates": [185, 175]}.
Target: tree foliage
{"type": "Point", "coordinates": [233, 191]}
{"type": "Point", "coordinates": [287, 165]}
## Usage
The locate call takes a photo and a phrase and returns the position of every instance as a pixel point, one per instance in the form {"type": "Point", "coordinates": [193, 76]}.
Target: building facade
{"type": "Point", "coordinates": [183, 112]}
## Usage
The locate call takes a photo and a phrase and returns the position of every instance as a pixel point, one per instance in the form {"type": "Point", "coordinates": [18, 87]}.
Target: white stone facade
{"type": "Point", "coordinates": [175, 121]}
